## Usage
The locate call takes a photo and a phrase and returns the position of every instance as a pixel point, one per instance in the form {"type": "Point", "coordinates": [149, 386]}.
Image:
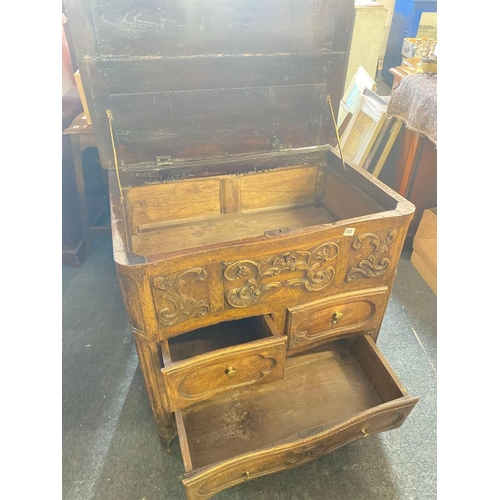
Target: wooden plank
{"type": "Point", "coordinates": [344, 200]}
{"type": "Point", "coordinates": [220, 336]}
{"type": "Point", "coordinates": [366, 183]}
{"type": "Point", "coordinates": [183, 442]}
{"type": "Point", "coordinates": [240, 164]}
{"type": "Point", "coordinates": [173, 201]}
{"type": "Point", "coordinates": [231, 197]}
{"type": "Point", "coordinates": [208, 123]}
{"type": "Point", "coordinates": [183, 28]}
{"type": "Point", "coordinates": [226, 228]}
{"type": "Point", "coordinates": [214, 72]}
{"type": "Point", "coordinates": [291, 187]}
{"type": "Point", "coordinates": [377, 369]}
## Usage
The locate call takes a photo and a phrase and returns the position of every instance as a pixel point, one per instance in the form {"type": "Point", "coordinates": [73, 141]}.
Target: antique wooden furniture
{"type": "Point", "coordinates": [255, 267]}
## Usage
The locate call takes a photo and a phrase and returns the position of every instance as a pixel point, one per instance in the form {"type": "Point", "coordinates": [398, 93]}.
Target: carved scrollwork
{"type": "Point", "coordinates": [314, 265]}
{"type": "Point", "coordinates": [373, 265]}
{"type": "Point", "coordinates": [180, 306]}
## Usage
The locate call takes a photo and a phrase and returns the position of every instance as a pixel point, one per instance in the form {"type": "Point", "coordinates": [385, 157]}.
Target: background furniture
{"type": "Point", "coordinates": [411, 168]}
{"type": "Point", "coordinates": [368, 32]}
{"type": "Point", "coordinates": [405, 22]}
{"type": "Point", "coordinates": [92, 195]}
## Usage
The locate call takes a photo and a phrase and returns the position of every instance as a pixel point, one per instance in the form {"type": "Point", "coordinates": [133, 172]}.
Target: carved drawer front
{"type": "Point", "coordinates": [325, 319]}
{"type": "Point", "coordinates": [222, 357]}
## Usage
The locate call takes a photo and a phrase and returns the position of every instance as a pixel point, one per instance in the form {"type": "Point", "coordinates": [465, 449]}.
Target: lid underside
{"type": "Point", "coordinates": [195, 79]}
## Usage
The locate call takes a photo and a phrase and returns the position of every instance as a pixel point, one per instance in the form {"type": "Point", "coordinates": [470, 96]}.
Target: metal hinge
{"type": "Point", "coordinates": [164, 160]}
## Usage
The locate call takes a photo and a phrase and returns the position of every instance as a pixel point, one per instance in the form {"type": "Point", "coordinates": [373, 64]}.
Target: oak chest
{"type": "Point", "coordinates": [255, 266]}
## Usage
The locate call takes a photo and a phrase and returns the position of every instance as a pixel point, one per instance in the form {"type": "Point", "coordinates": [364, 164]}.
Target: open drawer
{"type": "Point", "coordinates": [229, 355]}
{"type": "Point", "coordinates": [331, 396]}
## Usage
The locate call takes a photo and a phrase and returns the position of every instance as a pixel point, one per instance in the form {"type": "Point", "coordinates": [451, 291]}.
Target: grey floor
{"type": "Point", "coordinates": [110, 448]}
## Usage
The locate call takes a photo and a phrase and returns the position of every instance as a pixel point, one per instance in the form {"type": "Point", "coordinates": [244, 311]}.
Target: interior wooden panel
{"type": "Point", "coordinates": [213, 72]}
{"type": "Point", "coordinates": [344, 200]}
{"type": "Point", "coordinates": [220, 336]}
{"type": "Point", "coordinates": [294, 187]}
{"type": "Point", "coordinates": [246, 420]}
{"type": "Point", "coordinates": [379, 372]}
{"type": "Point", "coordinates": [216, 123]}
{"type": "Point", "coordinates": [229, 227]}
{"type": "Point", "coordinates": [185, 28]}
{"type": "Point", "coordinates": [173, 201]}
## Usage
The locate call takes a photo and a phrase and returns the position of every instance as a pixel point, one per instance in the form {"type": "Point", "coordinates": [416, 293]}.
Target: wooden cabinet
{"type": "Point", "coordinates": [254, 265]}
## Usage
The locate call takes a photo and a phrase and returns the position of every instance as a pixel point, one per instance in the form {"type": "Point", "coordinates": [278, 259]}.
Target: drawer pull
{"type": "Point", "coordinates": [230, 372]}
{"type": "Point", "coordinates": [337, 316]}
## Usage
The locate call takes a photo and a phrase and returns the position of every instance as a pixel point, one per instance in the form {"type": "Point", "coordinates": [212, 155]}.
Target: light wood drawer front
{"type": "Point", "coordinates": [322, 320]}
{"type": "Point", "coordinates": [204, 483]}
{"type": "Point", "coordinates": [201, 377]}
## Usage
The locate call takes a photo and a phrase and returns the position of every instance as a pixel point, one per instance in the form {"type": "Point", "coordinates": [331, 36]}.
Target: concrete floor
{"type": "Point", "coordinates": [110, 447]}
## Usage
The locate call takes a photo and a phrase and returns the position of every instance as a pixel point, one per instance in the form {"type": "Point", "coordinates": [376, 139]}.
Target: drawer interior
{"type": "Point", "coordinates": [181, 215]}
{"type": "Point", "coordinates": [323, 387]}
{"type": "Point", "coordinates": [220, 336]}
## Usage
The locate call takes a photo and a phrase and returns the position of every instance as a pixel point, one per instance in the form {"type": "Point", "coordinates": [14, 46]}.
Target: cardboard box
{"type": "Point", "coordinates": [78, 80]}
{"type": "Point", "coordinates": [424, 255]}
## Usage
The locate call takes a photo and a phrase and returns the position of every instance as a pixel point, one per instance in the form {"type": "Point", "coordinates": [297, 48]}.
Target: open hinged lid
{"type": "Point", "coordinates": [191, 79]}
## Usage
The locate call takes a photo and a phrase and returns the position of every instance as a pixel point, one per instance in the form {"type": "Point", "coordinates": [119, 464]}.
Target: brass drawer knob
{"type": "Point", "coordinates": [337, 316]}
{"type": "Point", "coordinates": [230, 372]}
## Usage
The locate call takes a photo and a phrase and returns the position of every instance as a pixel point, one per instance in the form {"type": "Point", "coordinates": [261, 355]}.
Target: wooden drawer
{"type": "Point", "coordinates": [204, 362]}
{"type": "Point", "coordinates": [323, 320]}
{"type": "Point", "coordinates": [259, 431]}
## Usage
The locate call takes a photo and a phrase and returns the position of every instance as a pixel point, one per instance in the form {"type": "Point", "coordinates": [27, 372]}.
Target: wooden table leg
{"type": "Point", "coordinates": [409, 164]}
{"type": "Point", "coordinates": [82, 198]}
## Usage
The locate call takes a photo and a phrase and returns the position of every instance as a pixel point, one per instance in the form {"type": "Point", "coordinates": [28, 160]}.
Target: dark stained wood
{"type": "Point", "coordinates": [211, 123]}
{"type": "Point", "coordinates": [178, 29]}
{"type": "Point", "coordinates": [215, 72]}
{"type": "Point", "coordinates": [252, 76]}
{"type": "Point", "coordinates": [220, 336]}
{"type": "Point", "coordinates": [237, 164]}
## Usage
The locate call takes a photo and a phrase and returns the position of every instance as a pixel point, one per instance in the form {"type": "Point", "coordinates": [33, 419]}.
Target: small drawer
{"type": "Point", "coordinates": [323, 320]}
{"type": "Point", "coordinates": [230, 355]}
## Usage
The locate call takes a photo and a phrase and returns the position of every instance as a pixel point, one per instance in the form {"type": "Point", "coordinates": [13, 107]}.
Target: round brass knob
{"type": "Point", "coordinates": [230, 372]}
{"type": "Point", "coordinates": [337, 316]}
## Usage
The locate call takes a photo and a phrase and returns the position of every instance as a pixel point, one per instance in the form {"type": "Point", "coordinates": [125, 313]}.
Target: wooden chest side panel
{"type": "Point", "coordinates": [153, 205]}
{"type": "Point", "coordinates": [294, 187]}
{"type": "Point", "coordinates": [344, 200]}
